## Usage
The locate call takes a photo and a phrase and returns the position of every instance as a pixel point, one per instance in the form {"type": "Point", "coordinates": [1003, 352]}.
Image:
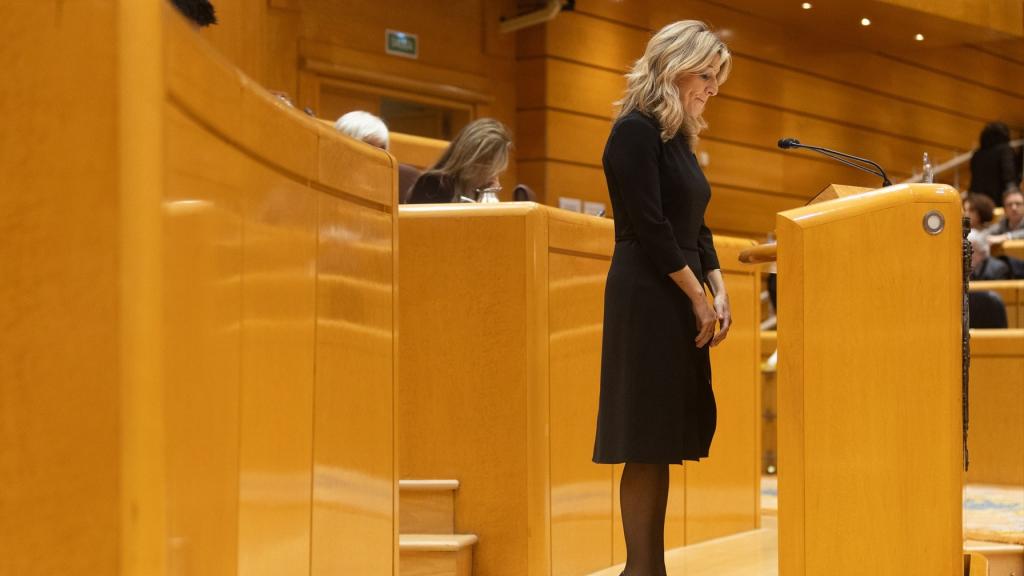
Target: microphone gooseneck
{"type": "Point", "coordinates": [848, 159]}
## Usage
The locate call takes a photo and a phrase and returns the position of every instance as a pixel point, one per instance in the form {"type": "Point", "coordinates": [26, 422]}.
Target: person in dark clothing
{"type": "Point", "coordinates": [200, 12]}
{"type": "Point", "coordinates": [656, 404]}
{"type": "Point", "coordinates": [469, 166]}
{"type": "Point", "coordinates": [993, 170]}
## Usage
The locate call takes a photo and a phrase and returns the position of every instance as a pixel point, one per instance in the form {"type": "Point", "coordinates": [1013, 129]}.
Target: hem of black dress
{"type": "Point", "coordinates": [678, 461]}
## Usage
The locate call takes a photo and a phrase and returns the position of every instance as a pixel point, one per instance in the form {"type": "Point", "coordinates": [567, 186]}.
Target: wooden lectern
{"type": "Point", "coordinates": [870, 384]}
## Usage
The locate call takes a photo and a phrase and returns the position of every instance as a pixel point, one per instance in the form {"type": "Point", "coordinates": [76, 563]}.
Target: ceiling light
{"type": "Point", "coordinates": [919, 37]}
{"type": "Point", "coordinates": [806, 6]}
{"type": "Point", "coordinates": [865, 22]}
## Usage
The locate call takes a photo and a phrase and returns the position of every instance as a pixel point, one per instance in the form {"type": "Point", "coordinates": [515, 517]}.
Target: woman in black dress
{"type": "Point", "coordinates": [657, 407]}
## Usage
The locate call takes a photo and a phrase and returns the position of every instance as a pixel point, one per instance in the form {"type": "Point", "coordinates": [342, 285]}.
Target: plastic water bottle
{"type": "Point", "coordinates": [927, 174]}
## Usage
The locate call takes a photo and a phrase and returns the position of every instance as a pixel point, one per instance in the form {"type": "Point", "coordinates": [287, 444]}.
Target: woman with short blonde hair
{"type": "Point", "coordinates": [471, 163]}
{"type": "Point", "coordinates": [657, 406]}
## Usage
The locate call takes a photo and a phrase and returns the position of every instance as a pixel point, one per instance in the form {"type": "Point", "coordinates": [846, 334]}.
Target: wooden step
{"type": "Point", "coordinates": [975, 564]}
{"type": "Point", "coordinates": [1003, 559]}
{"type": "Point", "coordinates": [426, 506]}
{"type": "Point", "coordinates": [435, 554]}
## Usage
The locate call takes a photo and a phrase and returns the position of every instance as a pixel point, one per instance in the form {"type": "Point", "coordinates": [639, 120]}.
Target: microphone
{"type": "Point", "coordinates": [787, 143]}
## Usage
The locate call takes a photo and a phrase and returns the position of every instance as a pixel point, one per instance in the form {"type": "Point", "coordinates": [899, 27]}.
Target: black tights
{"type": "Point", "coordinates": [643, 494]}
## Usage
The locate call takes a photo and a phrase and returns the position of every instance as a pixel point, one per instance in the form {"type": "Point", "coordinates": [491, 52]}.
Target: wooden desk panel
{"type": "Point", "coordinates": [581, 491]}
{"type": "Point", "coordinates": [203, 221]}
{"type": "Point", "coordinates": [354, 477]}
{"type": "Point", "coordinates": [278, 339]}
{"type": "Point", "coordinates": [996, 437]}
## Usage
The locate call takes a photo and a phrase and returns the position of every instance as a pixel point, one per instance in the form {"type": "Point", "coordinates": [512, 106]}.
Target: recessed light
{"type": "Point", "coordinates": [865, 22]}
{"type": "Point", "coordinates": [806, 6]}
{"type": "Point", "coordinates": [919, 37]}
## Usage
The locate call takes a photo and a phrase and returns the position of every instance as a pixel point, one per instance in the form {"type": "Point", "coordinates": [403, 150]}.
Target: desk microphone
{"type": "Point", "coordinates": [787, 143]}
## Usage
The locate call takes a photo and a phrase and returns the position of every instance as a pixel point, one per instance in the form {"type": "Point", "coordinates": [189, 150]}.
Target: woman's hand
{"type": "Point", "coordinates": [706, 319]}
{"type": "Point", "coordinates": [702, 311]}
{"type": "Point", "coordinates": [724, 316]}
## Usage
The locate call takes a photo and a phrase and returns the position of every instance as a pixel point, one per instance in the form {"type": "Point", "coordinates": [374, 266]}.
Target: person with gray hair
{"type": "Point", "coordinates": [983, 265]}
{"type": "Point", "coordinates": [364, 127]}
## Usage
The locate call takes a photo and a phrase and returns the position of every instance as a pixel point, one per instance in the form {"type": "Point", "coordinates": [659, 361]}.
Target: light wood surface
{"type": "Point", "coordinates": [996, 436]}
{"type": "Point", "coordinates": [870, 438]}
{"type": "Point", "coordinates": [1013, 248]}
{"type": "Point", "coordinates": [426, 511]}
{"type": "Point", "coordinates": [222, 261]}
{"type": "Point", "coordinates": [60, 349]}
{"type": "Point", "coordinates": [502, 308]}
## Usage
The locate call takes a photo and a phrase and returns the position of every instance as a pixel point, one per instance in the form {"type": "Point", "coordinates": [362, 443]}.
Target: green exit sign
{"type": "Point", "coordinates": [402, 44]}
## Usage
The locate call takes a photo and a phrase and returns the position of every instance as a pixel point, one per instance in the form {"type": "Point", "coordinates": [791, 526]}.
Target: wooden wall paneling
{"type": "Point", "coordinates": [590, 91]}
{"type": "Point", "coordinates": [754, 37]}
{"type": "Point", "coordinates": [972, 63]}
{"type": "Point", "coordinates": [202, 319]}
{"type": "Point", "coordinates": [745, 213]}
{"type": "Point", "coordinates": [723, 491]}
{"type": "Point", "coordinates": [354, 476]}
{"type": "Point", "coordinates": [278, 343]}
{"type": "Point", "coordinates": [449, 35]}
{"type": "Point", "coordinates": [635, 14]}
{"type": "Point", "coordinates": [1008, 49]}
{"type": "Point", "coordinates": [580, 140]}
{"type": "Point", "coordinates": [996, 438]}
{"type": "Point", "coordinates": [1001, 15]}
{"type": "Point", "coordinates": [901, 111]}
{"type": "Point", "coordinates": [61, 357]}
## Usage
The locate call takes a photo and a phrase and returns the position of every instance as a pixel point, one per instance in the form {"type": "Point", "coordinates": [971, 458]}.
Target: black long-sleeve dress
{"type": "Point", "coordinates": [657, 405]}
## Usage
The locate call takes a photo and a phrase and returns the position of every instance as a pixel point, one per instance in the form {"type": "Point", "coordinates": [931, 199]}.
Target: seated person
{"type": "Point", "coordinates": [986, 310]}
{"type": "Point", "coordinates": [368, 128]}
{"type": "Point", "coordinates": [983, 265]}
{"type": "Point", "coordinates": [1011, 227]}
{"type": "Point", "coordinates": [980, 210]}
{"type": "Point", "coordinates": [471, 164]}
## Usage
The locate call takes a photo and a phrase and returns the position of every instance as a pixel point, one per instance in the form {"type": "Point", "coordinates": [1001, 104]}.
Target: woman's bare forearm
{"type": "Point", "coordinates": [716, 282]}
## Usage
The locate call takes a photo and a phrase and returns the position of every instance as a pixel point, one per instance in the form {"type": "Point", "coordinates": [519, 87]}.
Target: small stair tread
{"type": "Point", "coordinates": [436, 542]}
{"type": "Point", "coordinates": [428, 485]}
{"type": "Point", "coordinates": [983, 546]}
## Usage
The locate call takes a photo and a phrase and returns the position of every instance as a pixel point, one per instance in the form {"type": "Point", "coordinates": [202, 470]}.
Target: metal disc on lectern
{"type": "Point", "coordinates": [934, 222]}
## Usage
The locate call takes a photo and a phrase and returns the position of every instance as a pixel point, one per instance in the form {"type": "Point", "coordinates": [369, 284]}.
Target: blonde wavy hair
{"type": "Point", "coordinates": [477, 154]}
{"type": "Point", "coordinates": [684, 47]}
